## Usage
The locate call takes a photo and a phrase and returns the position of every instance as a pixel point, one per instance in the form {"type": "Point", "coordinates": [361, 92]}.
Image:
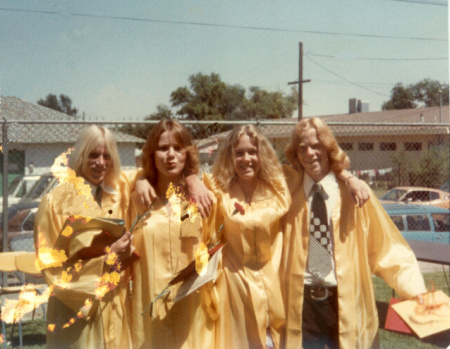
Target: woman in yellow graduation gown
{"type": "Point", "coordinates": [71, 323]}
{"type": "Point", "coordinates": [166, 244]}
{"type": "Point", "coordinates": [247, 172]}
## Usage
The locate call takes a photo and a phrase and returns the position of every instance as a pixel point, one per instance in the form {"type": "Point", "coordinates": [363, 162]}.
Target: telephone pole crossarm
{"type": "Point", "coordinates": [296, 82]}
{"type": "Point", "coordinates": [300, 82]}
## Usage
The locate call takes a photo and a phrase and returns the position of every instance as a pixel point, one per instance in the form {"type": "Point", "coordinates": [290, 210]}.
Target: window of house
{"type": "Point", "coordinates": [388, 146]}
{"type": "Point", "coordinates": [365, 146]}
{"type": "Point", "coordinates": [346, 146]}
{"type": "Point", "coordinates": [413, 146]}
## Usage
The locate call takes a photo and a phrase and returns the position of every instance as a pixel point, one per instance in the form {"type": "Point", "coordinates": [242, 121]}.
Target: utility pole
{"type": "Point", "coordinates": [300, 82]}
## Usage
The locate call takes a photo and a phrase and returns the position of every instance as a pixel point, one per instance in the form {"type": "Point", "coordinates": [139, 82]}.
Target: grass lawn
{"type": "Point", "coordinates": [395, 340]}
{"type": "Point", "coordinates": [34, 331]}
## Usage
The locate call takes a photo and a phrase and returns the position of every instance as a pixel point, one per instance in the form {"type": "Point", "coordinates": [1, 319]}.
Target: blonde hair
{"type": "Point", "coordinates": [338, 159]}
{"type": "Point", "coordinates": [183, 138]}
{"type": "Point", "coordinates": [223, 168]}
{"type": "Point", "coordinates": [90, 138]}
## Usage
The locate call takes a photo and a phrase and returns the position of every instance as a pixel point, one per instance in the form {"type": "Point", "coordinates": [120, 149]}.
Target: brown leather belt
{"type": "Point", "coordinates": [320, 293]}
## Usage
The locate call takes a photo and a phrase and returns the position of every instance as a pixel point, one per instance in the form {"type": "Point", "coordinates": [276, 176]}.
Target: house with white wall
{"type": "Point", "coordinates": [31, 142]}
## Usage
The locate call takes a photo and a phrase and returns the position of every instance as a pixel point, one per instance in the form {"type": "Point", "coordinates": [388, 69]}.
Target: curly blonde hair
{"type": "Point", "coordinates": [338, 159]}
{"type": "Point", "coordinates": [184, 140]}
{"type": "Point", "coordinates": [223, 168]}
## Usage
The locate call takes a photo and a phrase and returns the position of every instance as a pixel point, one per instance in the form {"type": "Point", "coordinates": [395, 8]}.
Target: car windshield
{"type": "Point", "coordinates": [39, 187]}
{"type": "Point", "coordinates": [394, 195]}
{"type": "Point", "coordinates": [20, 186]}
{"type": "Point", "coordinates": [13, 185]}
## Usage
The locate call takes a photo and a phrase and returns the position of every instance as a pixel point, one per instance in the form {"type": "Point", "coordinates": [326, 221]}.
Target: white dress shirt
{"type": "Point", "coordinates": [330, 191]}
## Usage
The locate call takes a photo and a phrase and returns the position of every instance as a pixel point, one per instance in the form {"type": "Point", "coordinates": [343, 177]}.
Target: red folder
{"type": "Point", "coordinates": [393, 321]}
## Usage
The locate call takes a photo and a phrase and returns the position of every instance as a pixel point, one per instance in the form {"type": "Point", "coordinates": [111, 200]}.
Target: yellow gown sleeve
{"type": "Point", "coordinates": [293, 177]}
{"type": "Point", "coordinates": [70, 287]}
{"type": "Point", "coordinates": [209, 295]}
{"type": "Point", "coordinates": [390, 256]}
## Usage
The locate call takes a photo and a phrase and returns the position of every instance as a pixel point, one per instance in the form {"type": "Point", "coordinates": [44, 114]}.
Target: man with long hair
{"type": "Point", "coordinates": [332, 248]}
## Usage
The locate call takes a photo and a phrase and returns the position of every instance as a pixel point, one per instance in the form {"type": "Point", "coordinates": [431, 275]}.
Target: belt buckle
{"type": "Point", "coordinates": [319, 293]}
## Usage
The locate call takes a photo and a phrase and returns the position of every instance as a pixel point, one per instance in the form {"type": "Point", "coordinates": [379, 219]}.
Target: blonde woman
{"type": "Point", "coordinates": [106, 323]}
{"type": "Point", "coordinates": [166, 244]}
{"type": "Point", "coordinates": [247, 172]}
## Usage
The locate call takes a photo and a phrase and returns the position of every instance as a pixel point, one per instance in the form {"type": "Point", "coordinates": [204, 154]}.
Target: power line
{"type": "Point", "coordinates": [344, 83]}
{"type": "Point", "coordinates": [345, 79]}
{"type": "Point", "coordinates": [437, 3]}
{"type": "Point", "coordinates": [385, 59]}
{"type": "Point", "coordinates": [225, 25]}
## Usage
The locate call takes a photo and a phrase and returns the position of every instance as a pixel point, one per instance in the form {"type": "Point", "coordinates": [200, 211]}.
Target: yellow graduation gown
{"type": "Point", "coordinates": [165, 248]}
{"type": "Point", "coordinates": [107, 324]}
{"type": "Point", "coordinates": [366, 242]}
{"type": "Point", "coordinates": [248, 287]}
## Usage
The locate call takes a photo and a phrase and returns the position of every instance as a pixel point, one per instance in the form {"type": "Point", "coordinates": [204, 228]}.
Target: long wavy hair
{"type": "Point", "coordinates": [184, 139]}
{"type": "Point", "coordinates": [223, 168]}
{"type": "Point", "coordinates": [337, 158]}
{"type": "Point", "coordinates": [90, 138]}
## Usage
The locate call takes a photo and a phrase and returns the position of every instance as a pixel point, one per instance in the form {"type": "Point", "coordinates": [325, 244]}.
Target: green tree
{"type": "Point", "coordinates": [209, 98]}
{"type": "Point", "coordinates": [162, 112]}
{"type": "Point", "coordinates": [143, 130]}
{"type": "Point", "coordinates": [429, 92]}
{"type": "Point", "coordinates": [424, 93]}
{"type": "Point", "coordinates": [203, 100]}
{"type": "Point", "coordinates": [63, 105]}
{"type": "Point", "coordinates": [401, 98]}
{"type": "Point", "coordinates": [270, 105]}
{"type": "Point", "coordinates": [429, 170]}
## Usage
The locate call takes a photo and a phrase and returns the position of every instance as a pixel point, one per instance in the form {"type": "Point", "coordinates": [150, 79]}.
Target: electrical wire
{"type": "Point", "coordinates": [345, 79]}
{"type": "Point", "coordinates": [384, 59]}
{"type": "Point", "coordinates": [424, 2]}
{"type": "Point", "coordinates": [224, 25]}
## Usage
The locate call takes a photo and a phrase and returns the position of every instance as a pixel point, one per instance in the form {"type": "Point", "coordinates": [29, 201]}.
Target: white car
{"type": "Point", "coordinates": [19, 187]}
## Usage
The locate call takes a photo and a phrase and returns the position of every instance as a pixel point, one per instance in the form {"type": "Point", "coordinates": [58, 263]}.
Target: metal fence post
{"type": "Point", "coordinates": [5, 193]}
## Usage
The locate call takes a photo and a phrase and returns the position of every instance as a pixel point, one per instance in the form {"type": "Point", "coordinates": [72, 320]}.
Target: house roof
{"type": "Point", "coordinates": [404, 122]}
{"type": "Point", "coordinates": [14, 109]}
{"type": "Point", "coordinates": [416, 115]}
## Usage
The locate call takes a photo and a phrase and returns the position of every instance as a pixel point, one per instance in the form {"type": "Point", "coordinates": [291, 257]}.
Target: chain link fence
{"type": "Point", "coordinates": [384, 155]}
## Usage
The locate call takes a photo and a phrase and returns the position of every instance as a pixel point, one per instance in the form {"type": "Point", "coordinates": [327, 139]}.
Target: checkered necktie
{"type": "Point", "coordinates": [319, 246]}
{"type": "Point", "coordinates": [98, 195]}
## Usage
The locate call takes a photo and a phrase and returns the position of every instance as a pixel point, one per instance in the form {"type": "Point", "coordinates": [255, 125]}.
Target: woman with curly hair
{"type": "Point", "coordinates": [166, 244]}
{"type": "Point", "coordinates": [247, 172]}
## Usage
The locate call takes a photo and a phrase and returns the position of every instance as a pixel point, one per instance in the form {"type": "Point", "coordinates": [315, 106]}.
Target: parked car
{"type": "Point", "coordinates": [19, 187]}
{"type": "Point", "coordinates": [21, 215]}
{"type": "Point", "coordinates": [420, 222]}
{"type": "Point", "coordinates": [45, 184]}
{"type": "Point", "coordinates": [417, 195]}
{"type": "Point", "coordinates": [20, 226]}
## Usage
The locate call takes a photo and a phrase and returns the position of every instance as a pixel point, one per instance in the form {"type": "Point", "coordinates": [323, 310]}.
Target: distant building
{"type": "Point", "coordinates": [371, 138]}
{"type": "Point", "coordinates": [40, 144]}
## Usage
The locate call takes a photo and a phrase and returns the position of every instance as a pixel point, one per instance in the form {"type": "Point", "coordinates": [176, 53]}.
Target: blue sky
{"type": "Point", "coordinates": [118, 60]}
